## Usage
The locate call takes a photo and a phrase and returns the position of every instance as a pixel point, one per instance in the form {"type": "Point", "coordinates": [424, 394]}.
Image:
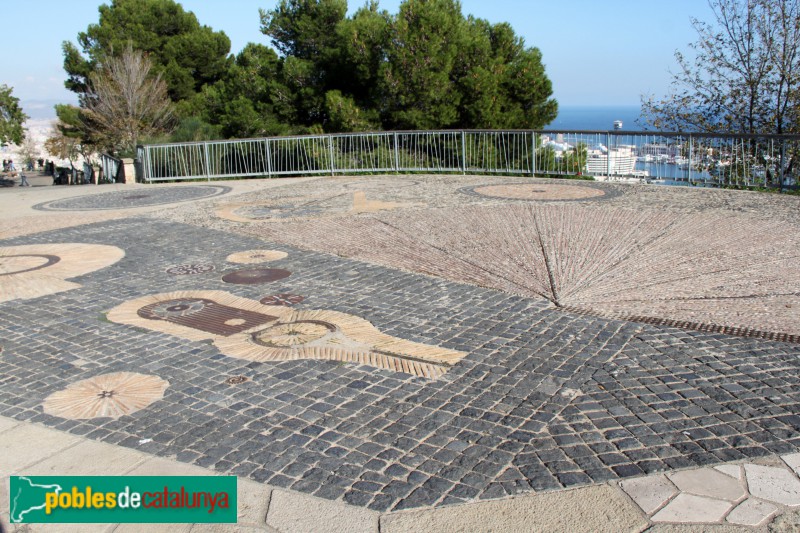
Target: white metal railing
{"type": "Point", "coordinates": [111, 168]}
{"type": "Point", "coordinates": [747, 160]}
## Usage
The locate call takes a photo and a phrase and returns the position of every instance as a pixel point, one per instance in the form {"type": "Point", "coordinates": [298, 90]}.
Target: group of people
{"type": "Point", "coordinates": [8, 167]}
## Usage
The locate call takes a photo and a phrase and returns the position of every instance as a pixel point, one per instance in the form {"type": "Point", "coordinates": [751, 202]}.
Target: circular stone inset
{"type": "Point", "coordinates": [188, 269]}
{"type": "Point", "coordinates": [286, 300]}
{"type": "Point", "coordinates": [292, 334]}
{"type": "Point", "coordinates": [109, 395]}
{"type": "Point", "coordinates": [156, 195]}
{"type": "Point", "coordinates": [176, 308]}
{"type": "Point", "coordinates": [539, 191]}
{"type": "Point", "coordinates": [255, 275]}
{"type": "Point", "coordinates": [16, 264]}
{"type": "Point", "coordinates": [256, 256]}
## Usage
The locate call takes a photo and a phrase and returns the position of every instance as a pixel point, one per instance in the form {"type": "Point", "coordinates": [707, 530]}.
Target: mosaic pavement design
{"type": "Point", "coordinates": [109, 395]}
{"type": "Point", "coordinates": [154, 195]}
{"type": "Point", "coordinates": [544, 398]}
{"type": "Point", "coordinates": [539, 192]}
{"type": "Point", "coordinates": [250, 330]}
{"type": "Point", "coordinates": [608, 261]}
{"type": "Point", "coordinates": [30, 271]}
{"type": "Point", "coordinates": [304, 208]}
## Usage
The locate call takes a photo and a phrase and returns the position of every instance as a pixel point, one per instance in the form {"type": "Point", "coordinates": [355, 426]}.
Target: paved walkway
{"type": "Point", "coordinates": [452, 352]}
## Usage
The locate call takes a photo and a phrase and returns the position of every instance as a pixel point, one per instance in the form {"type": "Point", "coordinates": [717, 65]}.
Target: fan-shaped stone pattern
{"type": "Point", "coordinates": [256, 256]}
{"type": "Point", "coordinates": [704, 267]}
{"type": "Point", "coordinates": [109, 395]}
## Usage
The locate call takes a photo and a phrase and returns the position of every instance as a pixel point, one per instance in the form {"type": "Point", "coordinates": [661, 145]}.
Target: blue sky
{"type": "Point", "coordinates": [595, 52]}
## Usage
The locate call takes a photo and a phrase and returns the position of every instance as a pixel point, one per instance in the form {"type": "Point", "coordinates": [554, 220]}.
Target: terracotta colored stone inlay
{"type": "Point", "coordinates": [35, 270]}
{"type": "Point", "coordinates": [256, 256]}
{"type": "Point", "coordinates": [109, 395]}
{"type": "Point", "coordinates": [255, 275]}
{"type": "Point", "coordinates": [524, 191]}
{"type": "Point", "coordinates": [17, 264]}
{"type": "Point", "coordinates": [284, 334]}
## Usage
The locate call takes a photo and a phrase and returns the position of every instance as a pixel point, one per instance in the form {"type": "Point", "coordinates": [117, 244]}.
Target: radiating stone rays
{"type": "Point", "coordinates": [701, 267]}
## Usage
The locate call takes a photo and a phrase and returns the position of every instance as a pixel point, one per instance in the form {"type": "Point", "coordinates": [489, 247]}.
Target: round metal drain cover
{"type": "Point", "coordinates": [189, 269]}
{"type": "Point", "coordinates": [287, 300]}
{"type": "Point", "coordinates": [236, 380]}
{"type": "Point", "coordinates": [252, 276]}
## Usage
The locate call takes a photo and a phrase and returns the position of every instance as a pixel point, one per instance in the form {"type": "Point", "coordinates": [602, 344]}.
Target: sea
{"type": "Point", "coordinates": [596, 118]}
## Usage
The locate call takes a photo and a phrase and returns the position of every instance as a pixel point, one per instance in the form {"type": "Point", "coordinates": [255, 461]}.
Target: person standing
{"type": "Point", "coordinates": [23, 180]}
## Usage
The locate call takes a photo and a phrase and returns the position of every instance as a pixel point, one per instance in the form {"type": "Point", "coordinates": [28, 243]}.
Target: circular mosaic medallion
{"type": "Point", "coordinates": [538, 191]}
{"type": "Point", "coordinates": [255, 275]}
{"type": "Point", "coordinates": [256, 256]}
{"type": "Point", "coordinates": [109, 395]}
{"type": "Point", "coordinates": [287, 300]}
{"type": "Point", "coordinates": [16, 264]}
{"type": "Point", "coordinates": [155, 195]}
{"type": "Point", "coordinates": [176, 308]}
{"type": "Point", "coordinates": [188, 269]}
{"type": "Point", "coordinates": [293, 334]}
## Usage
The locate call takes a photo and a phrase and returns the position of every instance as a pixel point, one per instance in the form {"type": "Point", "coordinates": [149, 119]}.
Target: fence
{"type": "Point", "coordinates": [111, 168]}
{"type": "Point", "coordinates": [712, 159]}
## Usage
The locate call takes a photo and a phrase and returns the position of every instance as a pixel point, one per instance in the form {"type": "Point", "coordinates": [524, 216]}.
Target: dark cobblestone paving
{"type": "Point", "coordinates": [544, 400]}
{"type": "Point", "coordinates": [134, 198]}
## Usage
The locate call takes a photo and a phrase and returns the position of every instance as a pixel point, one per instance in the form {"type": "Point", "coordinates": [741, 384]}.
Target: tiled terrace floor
{"type": "Point", "coordinates": [554, 391]}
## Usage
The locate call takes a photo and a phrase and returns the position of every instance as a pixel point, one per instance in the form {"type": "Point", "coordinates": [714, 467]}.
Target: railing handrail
{"type": "Point", "coordinates": [510, 151]}
{"type": "Point", "coordinates": [635, 133]}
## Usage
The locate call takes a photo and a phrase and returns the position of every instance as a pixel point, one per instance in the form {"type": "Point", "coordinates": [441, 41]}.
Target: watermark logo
{"type": "Point", "coordinates": [122, 499]}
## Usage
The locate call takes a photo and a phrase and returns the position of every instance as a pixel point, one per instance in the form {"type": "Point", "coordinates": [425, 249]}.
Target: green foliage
{"type": "Point", "coordinates": [186, 54]}
{"type": "Point", "coordinates": [11, 117]}
{"type": "Point", "coordinates": [426, 67]}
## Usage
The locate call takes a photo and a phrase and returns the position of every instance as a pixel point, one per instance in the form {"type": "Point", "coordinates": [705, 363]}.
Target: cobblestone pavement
{"type": "Point", "coordinates": [134, 198]}
{"type": "Point", "coordinates": [544, 398]}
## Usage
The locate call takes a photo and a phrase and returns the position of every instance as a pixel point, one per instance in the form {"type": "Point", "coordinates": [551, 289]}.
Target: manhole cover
{"type": "Point", "coordinates": [255, 275]}
{"type": "Point", "coordinates": [236, 380]}
{"type": "Point", "coordinates": [287, 300]}
{"type": "Point", "coordinates": [184, 270]}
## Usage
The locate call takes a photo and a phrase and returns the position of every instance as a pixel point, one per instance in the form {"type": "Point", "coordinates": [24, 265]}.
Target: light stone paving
{"type": "Point", "coordinates": [741, 495]}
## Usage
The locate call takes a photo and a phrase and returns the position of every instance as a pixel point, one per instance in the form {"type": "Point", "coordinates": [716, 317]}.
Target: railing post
{"type": "Point", "coordinates": [608, 154]}
{"type": "Point", "coordinates": [463, 153]}
{"type": "Point", "coordinates": [783, 158]}
{"type": "Point", "coordinates": [330, 149]}
{"type": "Point", "coordinates": [268, 157]}
{"type": "Point", "coordinates": [689, 169]}
{"type": "Point", "coordinates": [148, 169]}
{"type": "Point", "coordinates": [396, 154]}
{"type": "Point", "coordinates": [533, 153]}
{"type": "Point", "coordinates": [207, 161]}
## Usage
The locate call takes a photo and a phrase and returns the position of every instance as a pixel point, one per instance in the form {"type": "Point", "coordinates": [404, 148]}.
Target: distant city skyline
{"type": "Point", "coordinates": [595, 53]}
